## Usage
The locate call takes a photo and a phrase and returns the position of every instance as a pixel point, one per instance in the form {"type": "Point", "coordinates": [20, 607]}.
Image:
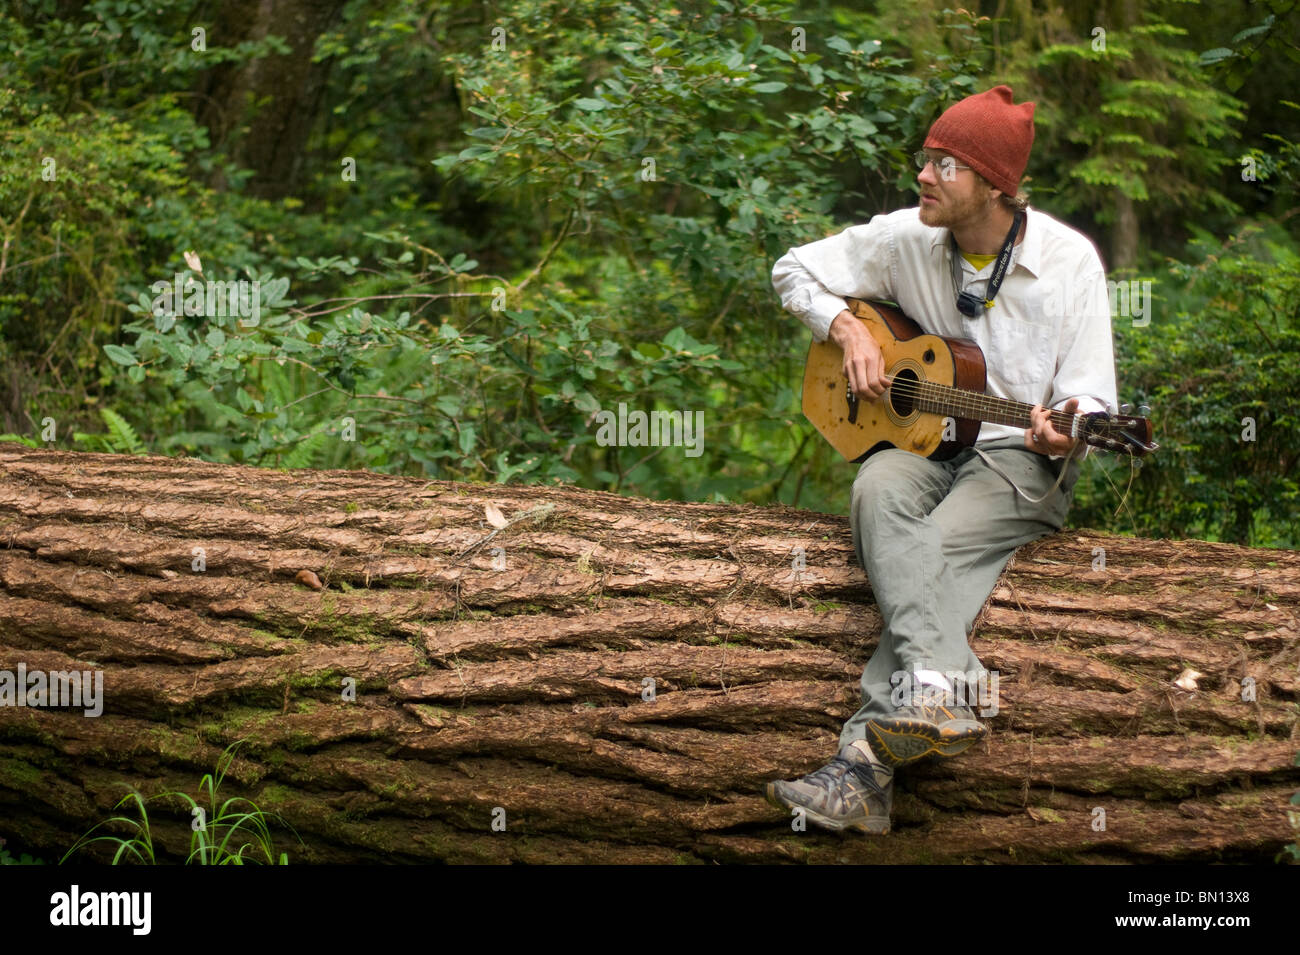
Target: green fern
{"type": "Point", "coordinates": [306, 451]}
{"type": "Point", "coordinates": [121, 436]}
{"type": "Point", "coordinates": [278, 385]}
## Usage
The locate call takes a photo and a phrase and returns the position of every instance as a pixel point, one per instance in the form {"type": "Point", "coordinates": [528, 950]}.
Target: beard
{"type": "Point", "coordinates": [952, 212]}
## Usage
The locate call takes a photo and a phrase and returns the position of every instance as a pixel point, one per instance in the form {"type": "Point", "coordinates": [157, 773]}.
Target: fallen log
{"type": "Point", "coordinates": [606, 679]}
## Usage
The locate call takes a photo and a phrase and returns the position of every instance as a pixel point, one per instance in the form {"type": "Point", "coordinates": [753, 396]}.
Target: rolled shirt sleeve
{"type": "Point", "coordinates": [1086, 354]}
{"type": "Point", "coordinates": [1085, 367]}
{"type": "Point", "coordinates": [813, 280]}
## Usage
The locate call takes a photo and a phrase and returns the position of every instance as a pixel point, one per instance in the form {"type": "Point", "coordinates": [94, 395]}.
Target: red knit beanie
{"type": "Point", "coordinates": [988, 133]}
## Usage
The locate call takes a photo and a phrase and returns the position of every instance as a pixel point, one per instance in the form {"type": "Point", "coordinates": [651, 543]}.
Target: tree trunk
{"type": "Point", "coordinates": [263, 109]}
{"type": "Point", "coordinates": [1124, 235]}
{"type": "Point", "coordinates": [512, 682]}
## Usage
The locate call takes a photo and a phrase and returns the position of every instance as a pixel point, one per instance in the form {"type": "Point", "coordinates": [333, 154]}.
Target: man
{"type": "Point", "coordinates": [933, 536]}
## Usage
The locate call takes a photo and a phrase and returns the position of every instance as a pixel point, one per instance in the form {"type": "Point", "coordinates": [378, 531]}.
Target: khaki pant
{"type": "Point", "coordinates": [933, 537]}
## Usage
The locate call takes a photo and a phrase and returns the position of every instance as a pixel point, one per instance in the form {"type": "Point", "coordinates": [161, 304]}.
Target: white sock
{"type": "Point", "coordinates": [932, 678]}
{"type": "Point", "coordinates": [882, 772]}
{"type": "Point", "coordinates": [862, 746]}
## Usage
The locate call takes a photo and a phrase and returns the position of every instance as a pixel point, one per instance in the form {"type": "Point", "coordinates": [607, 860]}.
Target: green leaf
{"type": "Point", "coordinates": [676, 339]}
{"type": "Point", "coordinates": [1253, 31]}
{"type": "Point", "coordinates": [770, 87]}
{"type": "Point", "coordinates": [120, 355]}
{"type": "Point", "coordinates": [509, 353]}
{"type": "Point", "coordinates": [272, 293]}
{"type": "Point", "coordinates": [1216, 55]}
{"type": "Point", "coordinates": [591, 105]}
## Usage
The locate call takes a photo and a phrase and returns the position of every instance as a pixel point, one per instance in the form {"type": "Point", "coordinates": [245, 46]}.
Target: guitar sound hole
{"type": "Point", "coordinates": [928, 357]}
{"type": "Point", "coordinates": [902, 393]}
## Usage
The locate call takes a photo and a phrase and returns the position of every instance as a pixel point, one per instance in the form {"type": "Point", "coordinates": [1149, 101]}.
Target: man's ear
{"type": "Point", "coordinates": [994, 193]}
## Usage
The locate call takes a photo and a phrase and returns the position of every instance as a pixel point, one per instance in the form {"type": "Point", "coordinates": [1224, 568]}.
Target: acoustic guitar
{"type": "Point", "coordinates": [935, 401]}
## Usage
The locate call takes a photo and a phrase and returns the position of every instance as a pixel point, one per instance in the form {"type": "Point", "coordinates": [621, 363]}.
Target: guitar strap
{"type": "Point", "coordinates": [968, 303]}
{"type": "Point", "coordinates": [1065, 465]}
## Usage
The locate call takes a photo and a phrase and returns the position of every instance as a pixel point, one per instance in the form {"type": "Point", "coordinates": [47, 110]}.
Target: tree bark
{"type": "Point", "coordinates": [1124, 235]}
{"type": "Point", "coordinates": [512, 684]}
{"type": "Point", "coordinates": [263, 109]}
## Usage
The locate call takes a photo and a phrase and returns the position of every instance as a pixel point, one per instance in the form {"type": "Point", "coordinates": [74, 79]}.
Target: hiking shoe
{"type": "Point", "coordinates": [847, 793]}
{"type": "Point", "coordinates": [925, 726]}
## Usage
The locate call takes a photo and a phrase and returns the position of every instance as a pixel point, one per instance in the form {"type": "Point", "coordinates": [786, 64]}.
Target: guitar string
{"type": "Point", "coordinates": [938, 398]}
{"type": "Point", "coordinates": [957, 399]}
{"type": "Point", "coordinates": [936, 390]}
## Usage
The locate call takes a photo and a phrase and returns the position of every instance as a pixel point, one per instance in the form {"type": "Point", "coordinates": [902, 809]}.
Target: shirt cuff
{"type": "Point", "coordinates": [817, 310]}
{"type": "Point", "coordinates": [1087, 404]}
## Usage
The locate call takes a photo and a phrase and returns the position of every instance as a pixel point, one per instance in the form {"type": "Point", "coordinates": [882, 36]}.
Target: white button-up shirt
{"type": "Point", "coordinates": [1046, 339]}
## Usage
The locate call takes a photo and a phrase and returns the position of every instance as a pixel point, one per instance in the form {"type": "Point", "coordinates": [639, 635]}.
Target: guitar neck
{"type": "Point", "coordinates": [946, 400]}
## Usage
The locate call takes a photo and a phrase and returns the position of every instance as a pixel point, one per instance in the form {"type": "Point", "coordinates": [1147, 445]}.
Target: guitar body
{"type": "Point", "coordinates": [892, 420]}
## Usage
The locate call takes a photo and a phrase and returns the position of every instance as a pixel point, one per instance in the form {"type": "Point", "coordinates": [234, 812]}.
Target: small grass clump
{"type": "Point", "coordinates": [230, 832]}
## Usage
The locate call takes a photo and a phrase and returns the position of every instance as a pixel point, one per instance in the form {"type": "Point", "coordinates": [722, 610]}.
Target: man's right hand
{"type": "Point", "coordinates": [864, 365]}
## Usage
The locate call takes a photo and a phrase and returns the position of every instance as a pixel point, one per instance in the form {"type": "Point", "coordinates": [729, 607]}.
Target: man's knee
{"type": "Point", "coordinates": [894, 481]}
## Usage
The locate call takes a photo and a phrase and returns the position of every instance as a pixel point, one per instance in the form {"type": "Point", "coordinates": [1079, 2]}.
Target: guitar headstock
{"type": "Point", "coordinates": [1121, 433]}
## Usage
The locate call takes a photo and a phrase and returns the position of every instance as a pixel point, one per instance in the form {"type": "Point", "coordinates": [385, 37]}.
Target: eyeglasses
{"type": "Point", "coordinates": [946, 166]}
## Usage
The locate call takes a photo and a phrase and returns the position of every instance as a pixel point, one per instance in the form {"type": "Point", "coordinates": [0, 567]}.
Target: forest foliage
{"type": "Point", "coordinates": [476, 227]}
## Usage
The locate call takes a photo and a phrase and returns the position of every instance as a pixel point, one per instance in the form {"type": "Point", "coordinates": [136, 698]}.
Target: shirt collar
{"type": "Point", "coordinates": [1031, 249]}
{"type": "Point", "coordinates": [1028, 254]}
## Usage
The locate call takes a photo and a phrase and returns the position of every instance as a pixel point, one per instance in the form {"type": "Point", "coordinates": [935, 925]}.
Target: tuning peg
{"type": "Point", "coordinates": [1123, 409]}
{"type": "Point", "coordinates": [1144, 411]}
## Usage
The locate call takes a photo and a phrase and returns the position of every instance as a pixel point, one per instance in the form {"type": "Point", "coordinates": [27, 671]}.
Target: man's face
{"type": "Point", "coordinates": [952, 200]}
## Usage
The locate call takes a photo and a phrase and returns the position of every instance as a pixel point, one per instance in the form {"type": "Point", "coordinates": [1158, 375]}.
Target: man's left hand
{"type": "Point", "coordinates": [1044, 438]}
